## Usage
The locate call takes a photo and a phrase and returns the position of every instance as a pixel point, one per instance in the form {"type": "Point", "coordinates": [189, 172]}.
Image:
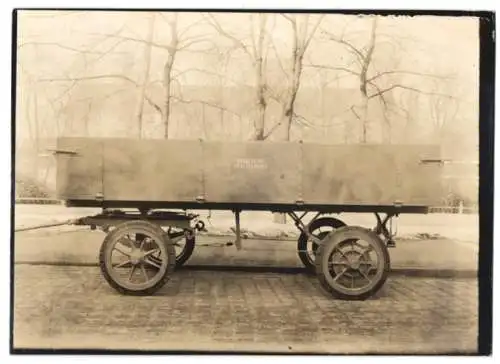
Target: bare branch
{"type": "Point", "coordinates": [194, 41]}
{"type": "Point", "coordinates": [272, 130]}
{"type": "Point", "coordinates": [409, 88]}
{"type": "Point", "coordinates": [278, 58]}
{"type": "Point", "coordinates": [185, 30]}
{"type": "Point", "coordinates": [137, 40]}
{"type": "Point", "coordinates": [380, 74]}
{"type": "Point", "coordinates": [89, 78]}
{"type": "Point", "coordinates": [333, 68]}
{"type": "Point", "coordinates": [153, 104]}
{"type": "Point", "coordinates": [55, 44]}
{"type": "Point", "coordinates": [100, 77]}
{"type": "Point", "coordinates": [379, 91]}
{"type": "Point", "coordinates": [350, 46]}
{"type": "Point", "coordinates": [273, 94]}
{"type": "Point", "coordinates": [205, 103]}
{"type": "Point", "coordinates": [252, 35]}
{"type": "Point", "coordinates": [216, 25]}
{"type": "Point", "coordinates": [215, 74]}
{"type": "Point", "coordinates": [289, 18]}
{"type": "Point", "coordinates": [311, 35]}
{"type": "Point", "coordinates": [354, 112]}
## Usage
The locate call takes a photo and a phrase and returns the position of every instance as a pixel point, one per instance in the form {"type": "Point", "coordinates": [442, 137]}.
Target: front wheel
{"type": "Point", "coordinates": [352, 263]}
{"type": "Point", "coordinates": [125, 258]}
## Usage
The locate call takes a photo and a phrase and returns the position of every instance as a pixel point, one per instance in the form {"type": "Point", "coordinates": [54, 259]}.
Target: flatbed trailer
{"type": "Point", "coordinates": [155, 177]}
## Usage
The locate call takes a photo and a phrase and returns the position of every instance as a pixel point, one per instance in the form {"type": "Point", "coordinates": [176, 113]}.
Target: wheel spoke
{"type": "Point", "coordinates": [340, 274]}
{"type": "Point", "coordinates": [365, 276]}
{"type": "Point", "coordinates": [144, 272]}
{"type": "Point", "coordinates": [122, 252]}
{"type": "Point", "coordinates": [152, 251]}
{"type": "Point", "coordinates": [132, 241]}
{"type": "Point", "coordinates": [341, 252]}
{"type": "Point", "coordinates": [129, 243]}
{"type": "Point", "coordinates": [132, 271]}
{"type": "Point", "coordinates": [338, 262]}
{"type": "Point", "coordinates": [152, 263]}
{"type": "Point", "coordinates": [370, 263]}
{"type": "Point", "coordinates": [122, 264]}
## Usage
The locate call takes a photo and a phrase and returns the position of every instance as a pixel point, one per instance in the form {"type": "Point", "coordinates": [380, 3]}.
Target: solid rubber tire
{"type": "Point", "coordinates": [348, 233]}
{"type": "Point", "coordinates": [155, 232]}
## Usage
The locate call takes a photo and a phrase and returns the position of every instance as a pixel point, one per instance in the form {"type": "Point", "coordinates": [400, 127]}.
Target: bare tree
{"type": "Point", "coordinates": [374, 84]}
{"type": "Point", "coordinates": [179, 41]}
{"type": "Point", "coordinates": [257, 52]}
{"type": "Point", "coordinates": [147, 66]}
{"type": "Point", "coordinates": [301, 39]}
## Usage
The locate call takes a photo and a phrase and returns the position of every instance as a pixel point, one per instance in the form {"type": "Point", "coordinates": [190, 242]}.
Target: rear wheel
{"type": "Point", "coordinates": [320, 228]}
{"type": "Point", "coordinates": [352, 263]}
{"type": "Point", "coordinates": [184, 243]}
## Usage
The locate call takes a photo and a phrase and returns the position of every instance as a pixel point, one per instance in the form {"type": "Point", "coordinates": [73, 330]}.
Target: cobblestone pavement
{"type": "Point", "coordinates": [73, 307]}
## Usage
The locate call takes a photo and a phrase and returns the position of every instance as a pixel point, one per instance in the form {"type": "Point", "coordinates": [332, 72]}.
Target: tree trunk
{"type": "Point", "coordinates": [167, 83]}
{"type": "Point", "coordinates": [260, 81]}
{"type": "Point", "coordinates": [147, 67]}
{"type": "Point", "coordinates": [167, 75]}
{"type": "Point", "coordinates": [363, 84]}
{"type": "Point", "coordinates": [261, 103]}
{"type": "Point", "coordinates": [166, 109]}
{"type": "Point", "coordinates": [364, 122]}
{"type": "Point", "coordinates": [288, 111]}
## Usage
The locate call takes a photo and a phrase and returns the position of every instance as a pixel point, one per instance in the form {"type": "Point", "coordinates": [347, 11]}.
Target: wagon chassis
{"type": "Point", "coordinates": [157, 177]}
{"type": "Point", "coordinates": [352, 263]}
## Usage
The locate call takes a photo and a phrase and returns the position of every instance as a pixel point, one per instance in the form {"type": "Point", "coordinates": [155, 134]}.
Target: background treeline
{"type": "Point", "coordinates": [321, 77]}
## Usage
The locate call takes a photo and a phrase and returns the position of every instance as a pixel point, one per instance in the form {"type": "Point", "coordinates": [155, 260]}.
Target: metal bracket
{"type": "Point", "coordinates": [434, 161]}
{"type": "Point", "coordinates": [238, 231]}
{"type": "Point", "coordinates": [381, 228]}
{"type": "Point", "coordinates": [304, 228]}
{"type": "Point", "coordinates": [62, 151]}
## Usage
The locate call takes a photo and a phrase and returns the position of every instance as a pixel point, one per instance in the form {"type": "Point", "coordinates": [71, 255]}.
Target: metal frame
{"type": "Point", "coordinates": [109, 218]}
{"type": "Point", "coordinates": [283, 208]}
{"type": "Point", "coordinates": [380, 228]}
{"type": "Point", "coordinates": [162, 218]}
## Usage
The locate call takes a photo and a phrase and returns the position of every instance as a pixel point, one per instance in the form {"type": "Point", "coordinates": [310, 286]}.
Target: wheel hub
{"type": "Point", "coordinates": [355, 262]}
{"type": "Point", "coordinates": [136, 256]}
{"type": "Point", "coordinates": [354, 265]}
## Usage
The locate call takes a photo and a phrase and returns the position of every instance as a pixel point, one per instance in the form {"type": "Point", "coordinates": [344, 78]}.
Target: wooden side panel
{"type": "Point", "coordinates": [370, 174]}
{"type": "Point", "coordinates": [79, 168]}
{"type": "Point", "coordinates": [252, 172]}
{"type": "Point", "coordinates": [152, 170]}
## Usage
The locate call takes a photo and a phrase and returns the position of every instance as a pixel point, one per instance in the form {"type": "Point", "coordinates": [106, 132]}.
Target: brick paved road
{"type": "Point", "coordinates": [72, 307]}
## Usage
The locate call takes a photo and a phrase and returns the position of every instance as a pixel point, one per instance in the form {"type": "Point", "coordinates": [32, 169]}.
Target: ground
{"type": "Point", "coordinates": [72, 307]}
{"type": "Point", "coordinates": [62, 301]}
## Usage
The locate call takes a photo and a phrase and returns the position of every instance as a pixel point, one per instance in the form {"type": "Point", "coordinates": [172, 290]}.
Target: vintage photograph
{"type": "Point", "coordinates": [247, 182]}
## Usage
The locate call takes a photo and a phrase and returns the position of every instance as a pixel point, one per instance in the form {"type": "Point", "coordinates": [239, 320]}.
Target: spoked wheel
{"type": "Point", "coordinates": [307, 249]}
{"type": "Point", "coordinates": [183, 244]}
{"type": "Point", "coordinates": [126, 258]}
{"type": "Point", "coordinates": [353, 263]}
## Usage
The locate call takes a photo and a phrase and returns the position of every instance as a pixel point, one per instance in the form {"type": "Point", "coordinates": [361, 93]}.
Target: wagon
{"type": "Point", "coordinates": [148, 190]}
